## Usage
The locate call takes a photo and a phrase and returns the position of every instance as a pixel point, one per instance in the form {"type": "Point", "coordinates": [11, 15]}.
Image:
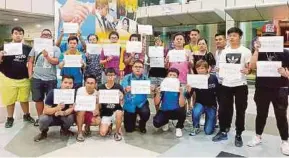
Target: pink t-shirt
{"type": "Point", "coordinates": [113, 63]}
{"type": "Point", "coordinates": [183, 68]}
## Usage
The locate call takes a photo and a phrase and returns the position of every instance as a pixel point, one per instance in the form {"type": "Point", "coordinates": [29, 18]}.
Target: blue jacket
{"type": "Point", "coordinates": [132, 101]}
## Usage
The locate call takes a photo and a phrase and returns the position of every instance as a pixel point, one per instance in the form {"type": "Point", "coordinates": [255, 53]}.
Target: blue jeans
{"type": "Point", "coordinates": [210, 120]}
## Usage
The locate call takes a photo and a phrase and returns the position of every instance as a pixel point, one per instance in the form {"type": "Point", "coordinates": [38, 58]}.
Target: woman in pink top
{"type": "Point", "coordinates": [183, 67]}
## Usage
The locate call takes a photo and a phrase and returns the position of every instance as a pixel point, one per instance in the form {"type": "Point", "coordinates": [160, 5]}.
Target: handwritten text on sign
{"type": "Point", "coordinates": [198, 81]}
{"type": "Point", "coordinates": [271, 44]}
{"type": "Point", "coordinates": [70, 27]}
{"type": "Point", "coordinates": [12, 49]}
{"type": "Point", "coordinates": [230, 71]}
{"type": "Point", "coordinates": [170, 85]}
{"type": "Point", "coordinates": [133, 47]}
{"type": "Point", "coordinates": [65, 96]}
{"type": "Point", "coordinates": [93, 48]}
{"type": "Point", "coordinates": [268, 68]}
{"type": "Point", "coordinates": [109, 96]}
{"type": "Point", "coordinates": [156, 51]}
{"type": "Point", "coordinates": [140, 87]}
{"type": "Point", "coordinates": [41, 44]}
{"type": "Point", "coordinates": [157, 62]}
{"type": "Point", "coordinates": [72, 60]}
{"type": "Point", "coordinates": [177, 56]}
{"type": "Point", "coordinates": [85, 103]}
{"type": "Point", "coordinates": [111, 49]}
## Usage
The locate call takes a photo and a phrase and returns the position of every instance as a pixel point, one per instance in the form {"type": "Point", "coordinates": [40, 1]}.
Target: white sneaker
{"type": "Point", "coordinates": [165, 127]}
{"type": "Point", "coordinates": [254, 142]}
{"type": "Point", "coordinates": [285, 148]}
{"type": "Point", "coordinates": [202, 120]}
{"type": "Point", "coordinates": [179, 132]}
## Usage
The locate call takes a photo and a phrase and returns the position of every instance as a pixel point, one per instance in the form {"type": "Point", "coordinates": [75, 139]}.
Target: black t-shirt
{"type": "Point", "coordinates": [109, 109]}
{"type": "Point", "coordinates": [208, 57]}
{"type": "Point", "coordinates": [15, 67]}
{"type": "Point", "coordinates": [273, 82]}
{"type": "Point", "coordinates": [207, 97]}
{"type": "Point", "coordinates": [49, 101]}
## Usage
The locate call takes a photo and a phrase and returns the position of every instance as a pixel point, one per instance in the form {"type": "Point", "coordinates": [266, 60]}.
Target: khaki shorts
{"type": "Point", "coordinates": [12, 90]}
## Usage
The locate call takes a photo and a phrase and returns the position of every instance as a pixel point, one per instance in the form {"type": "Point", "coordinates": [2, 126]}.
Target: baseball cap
{"type": "Point", "coordinates": [269, 29]}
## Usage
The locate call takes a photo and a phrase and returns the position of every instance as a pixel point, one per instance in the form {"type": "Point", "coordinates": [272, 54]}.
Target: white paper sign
{"type": "Point", "coordinates": [156, 51]}
{"type": "Point", "coordinates": [157, 62]}
{"type": "Point", "coordinates": [85, 103]}
{"type": "Point", "coordinates": [70, 27]}
{"type": "Point", "coordinates": [198, 81]}
{"type": "Point", "coordinates": [271, 44]}
{"type": "Point", "coordinates": [109, 96]}
{"type": "Point", "coordinates": [230, 71]}
{"type": "Point", "coordinates": [140, 87]}
{"type": "Point", "coordinates": [268, 68]}
{"type": "Point", "coordinates": [133, 47]}
{"type": "Point", "coordinates": [93, 48]}
{"type": "Point", "coordinates": [72, 60]}
{"type": "Point", "coordinates": [13, 49]}
{"type": "Point", "coordinates": [111, 49]}
{"type": "Point", "coordinates": [145, 29]}
{"type": "Point", "coordinates": [65, 96]}
{"type": "Point", "coordinates": [170, 85]}
{"type": "Point", "coordinates": [177, 56]}
{"type": "Point", "coordinates": [41, 44]}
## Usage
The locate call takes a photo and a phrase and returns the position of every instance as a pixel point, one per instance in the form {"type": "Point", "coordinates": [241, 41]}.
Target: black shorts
{"type": "Point", "coordinates": [40, 88]}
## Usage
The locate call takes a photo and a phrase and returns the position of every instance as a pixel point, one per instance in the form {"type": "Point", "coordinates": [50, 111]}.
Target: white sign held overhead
{"type": "Point", "coordinates": [64, 96]}
{"type": "Point", "coordinates": [271, 44]}
{"type": "Point", "coordinates": [145, 29]}
{"type": "Point", "coordinates": [156, 51]}
{"type": "Point", "coordinates": [268, 68]}
{"type": "Point", "coordinates": [140, 87]}
{"type": "Point", "coordinates": [85, 103]}
{"type": "Point", "coordinates": [170, 85]}
{"type": "Point", "coordinates": [93, 48]}
{"type": "Point", "coordinates": [70, 27]}
{"type": "Point", "coordinates": [72, 60]}
{"type": "Point", "coordinates": [11, 49]}
{"type": "Point", "coordinates": [198, 81]}
{"type": "Point", "coordinates": [111, 49]}
{"type": "Point", "coordinates": [109, 96]}
{"type": "Point", "coordinates": [134, 47]}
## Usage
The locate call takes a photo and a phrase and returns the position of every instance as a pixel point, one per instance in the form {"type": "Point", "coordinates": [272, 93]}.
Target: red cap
{"type": "Point", "coordinates": [269, 29]}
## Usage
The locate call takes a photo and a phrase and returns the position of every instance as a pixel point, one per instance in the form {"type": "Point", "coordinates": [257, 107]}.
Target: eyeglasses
{"type": "Point", "coordinates": [138, 67]}
{"type": "Point", "coordinates": [46, 35]}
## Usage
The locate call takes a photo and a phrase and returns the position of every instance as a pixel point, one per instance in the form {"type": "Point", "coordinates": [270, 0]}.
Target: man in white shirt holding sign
{"type": "Point", "coordinates": [234, 88]}
{"type": "Point", "coordinates": [271, 89]}
{"type": "Point", "coordinates": [89, 118]}
{"type": "Point", "coordinates": [56, 114]}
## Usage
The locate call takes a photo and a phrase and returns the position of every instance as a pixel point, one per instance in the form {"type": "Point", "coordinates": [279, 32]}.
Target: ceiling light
{"type": "Point", "coordinates": [38, 25]}
{"type": "Point", "coordinates": [15, 19]}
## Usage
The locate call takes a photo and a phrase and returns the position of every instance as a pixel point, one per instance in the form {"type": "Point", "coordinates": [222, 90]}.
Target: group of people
{"type": "Point", "coordinates": [117, 72]}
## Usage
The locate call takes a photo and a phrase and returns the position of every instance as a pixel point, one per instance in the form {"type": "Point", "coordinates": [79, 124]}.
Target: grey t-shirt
{"type": "Point", "coordinates": [42, 68]}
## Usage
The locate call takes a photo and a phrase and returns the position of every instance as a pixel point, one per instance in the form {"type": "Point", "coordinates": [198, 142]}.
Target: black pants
{"type": "Point", "coordinates": [163, 117]}
{"type": "Point", "coordinates": [130, 118]}
{"type": "Point", "coordinates": [279, 99]}
{"type": "Point", "coordinates": [226, 107]}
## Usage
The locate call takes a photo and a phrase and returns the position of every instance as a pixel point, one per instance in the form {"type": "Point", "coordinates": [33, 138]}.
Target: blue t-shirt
{"type": "Point", "coordinates": [76, 72]}
{"type": "Point", "coordinates": [170, 101]}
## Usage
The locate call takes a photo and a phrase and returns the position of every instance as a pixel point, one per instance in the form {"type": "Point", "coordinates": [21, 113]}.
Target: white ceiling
{"type": "Point", "coordinates": [7, 16]}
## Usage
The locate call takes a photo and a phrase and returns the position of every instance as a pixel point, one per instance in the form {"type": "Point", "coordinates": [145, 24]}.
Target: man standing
{"type": "Point", "coordinates": [234, 88]}
{"type": "Point", "coordinates": [42, 69]}
{"type": "Point", "coordinates": [194, 37]}
{"type": "Point", "coordinates": [56, 114]}
{"type": "Point", "coordinates": [220, 40]}
{"type": "Point", "coordinates": [15, 83]}
{"type": "Point", "coordinates": [271, 89]}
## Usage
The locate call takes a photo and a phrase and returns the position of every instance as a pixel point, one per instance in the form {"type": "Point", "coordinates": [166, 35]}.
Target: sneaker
{"type": "Point", "coordinates": [220, 136]}
{"type": "Point", "coordinates": [238, 141]}
{"type": "Point", "coordinates": [117, 137]}
{"type": "Point", "coordinates": [254, 142]}
{"type": "Point", "coordinates": [195, 131]}
{"type": "Point", "coordinates": [165, 127]}
{"type": "Point", "coordinates": [41, 136]}
{"type": "Point", "coordinates": [28, 118]}
{"type": "Point", "coordinates": [285, 148]}
{"type": "Point", "coordinates": [80, 137]}
{"type": "Point", "coordinates": [9, 122]}
{"type": "Point", "coordinates": [36, 124]}
{"type": "Point", "coordinates": [179, 132]}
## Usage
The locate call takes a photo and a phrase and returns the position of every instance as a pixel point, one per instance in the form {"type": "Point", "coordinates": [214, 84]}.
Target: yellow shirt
{"type": "Point", "coordinates": [192, 48]}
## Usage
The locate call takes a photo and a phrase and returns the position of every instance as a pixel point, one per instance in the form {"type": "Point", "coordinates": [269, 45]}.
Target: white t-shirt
{"type": "Point", "coordinates": [241, 55]}
{"type": "Point", "coordinates": [82, 91]}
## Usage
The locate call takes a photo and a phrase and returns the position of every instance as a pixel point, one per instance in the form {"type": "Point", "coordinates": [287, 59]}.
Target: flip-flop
{"type": "Point", "coordinates": [80, 138]}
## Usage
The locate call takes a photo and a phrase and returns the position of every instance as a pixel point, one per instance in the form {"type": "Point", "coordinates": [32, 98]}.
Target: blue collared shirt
{"type": "Point", "coordinates": [133, 101]}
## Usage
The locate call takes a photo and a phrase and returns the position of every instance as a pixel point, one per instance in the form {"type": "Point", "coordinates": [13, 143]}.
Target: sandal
{"type": "Point", "coordinates": [80, 138]}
